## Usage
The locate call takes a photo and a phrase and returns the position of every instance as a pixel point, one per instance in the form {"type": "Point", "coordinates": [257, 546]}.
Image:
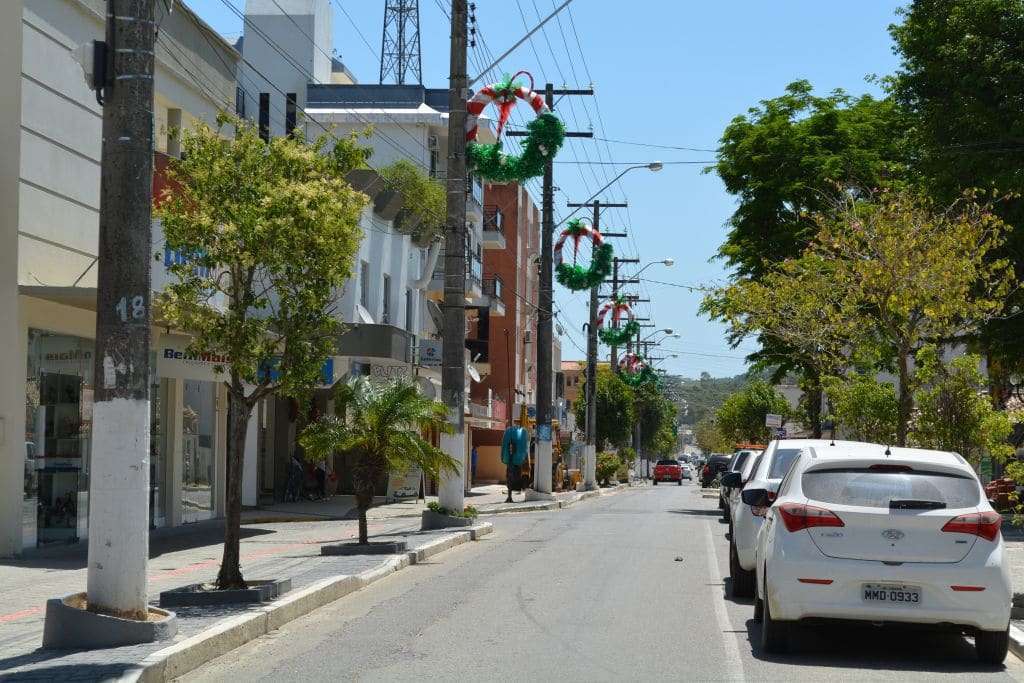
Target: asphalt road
{"type": "Point", "coordinates": [628, 587]}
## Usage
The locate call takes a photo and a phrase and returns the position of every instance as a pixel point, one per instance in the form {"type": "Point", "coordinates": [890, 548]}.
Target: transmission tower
{"type": "Point", "coordinates": [400, 44]}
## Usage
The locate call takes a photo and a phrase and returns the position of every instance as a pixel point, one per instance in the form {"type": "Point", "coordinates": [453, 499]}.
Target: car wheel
{"type": "Point", "coordinates": [742, 580]}
{"type": "Point", "coordinates": [655, 482]}
{"type": "Point", "coordinates": [725, 513]}
{"type": "Point", "coordinates": [774, 634]}
{"type": "Point", "coordinates": [680, 482]}
{"type": "Point", "coordinates": [758, 608]}
{"type": "Point", "coordinates": [991, 646]}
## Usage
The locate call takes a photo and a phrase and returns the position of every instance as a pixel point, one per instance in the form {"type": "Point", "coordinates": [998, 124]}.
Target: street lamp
{"type": "Point", "coordinates": [653, 166]}
{"type": "Point", "coordinates": [668, 332]}
{"type": "Point", "coordinates": [669, 262]}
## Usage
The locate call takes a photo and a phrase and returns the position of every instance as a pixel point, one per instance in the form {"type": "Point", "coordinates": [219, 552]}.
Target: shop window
{"type": "Point", "coordinates": [199, 465]}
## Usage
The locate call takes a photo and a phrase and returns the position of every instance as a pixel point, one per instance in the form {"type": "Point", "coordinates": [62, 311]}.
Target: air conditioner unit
{"type": "Point", "coordinates": [432, 142]}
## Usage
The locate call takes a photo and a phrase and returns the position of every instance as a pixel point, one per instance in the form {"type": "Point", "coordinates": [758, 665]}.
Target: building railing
{"type": "Point", "coordinates": [492, 287]}
{"type": "Point", "coordinates": [494, 220]}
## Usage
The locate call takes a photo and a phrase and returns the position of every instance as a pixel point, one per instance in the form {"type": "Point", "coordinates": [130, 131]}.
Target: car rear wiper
{"type": "Point", "coordinates": [916, 505]}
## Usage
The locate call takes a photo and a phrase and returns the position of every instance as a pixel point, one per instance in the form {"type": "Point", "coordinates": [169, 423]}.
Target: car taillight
{"type": "Point", "coordinates": [983, 524]}
{"type": "Point", "coordinates": [797, 516]}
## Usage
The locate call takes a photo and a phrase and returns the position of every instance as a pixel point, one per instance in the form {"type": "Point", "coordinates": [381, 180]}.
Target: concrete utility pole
{"type": "Point", "coordinates": [545, 305]}
{"type": "Point", "coordinates": [453, 359]}
{"type": "Point", "coordinates": [119, 480]}
{"type": "Point", "coordinates": [590, 471]}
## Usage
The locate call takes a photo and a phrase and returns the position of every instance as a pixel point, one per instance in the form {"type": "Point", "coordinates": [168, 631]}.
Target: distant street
{"type": "Point", "coordinates": [594, 592]}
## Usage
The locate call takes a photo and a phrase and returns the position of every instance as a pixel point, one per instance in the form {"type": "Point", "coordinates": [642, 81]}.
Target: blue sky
{"type": "Point", "coordinates": [666, 72]}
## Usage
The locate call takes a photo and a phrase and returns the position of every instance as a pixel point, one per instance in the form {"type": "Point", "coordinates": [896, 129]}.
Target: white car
{"type": "Point", "coordinates": [733, 497]}
{"type": "Point", "coordinates": [687, 470]}
{"type": "Point", "coordinates": [880, 534]}
{"type": "Point", "coordinates": [768, 473]}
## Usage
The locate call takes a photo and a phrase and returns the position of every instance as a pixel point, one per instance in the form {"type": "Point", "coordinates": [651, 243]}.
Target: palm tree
{"type": "Point", "coordinates": [381, 425]}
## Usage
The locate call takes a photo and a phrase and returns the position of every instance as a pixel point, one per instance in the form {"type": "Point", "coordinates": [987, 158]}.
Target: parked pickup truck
{"type": "Point", "coordinates": [668, 470]}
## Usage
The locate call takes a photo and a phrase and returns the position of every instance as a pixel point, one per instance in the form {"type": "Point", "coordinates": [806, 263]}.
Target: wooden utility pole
{"type": "Point", "coordinates": [119, 477]}
{"type": "Point", "coordinates": [453, 360]}
{"type": "Point", "coordinates": [545, 302]}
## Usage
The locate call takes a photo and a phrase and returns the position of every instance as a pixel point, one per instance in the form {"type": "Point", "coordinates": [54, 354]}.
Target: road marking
{"type": "Point", "coordinates": [732, 664]}
{"type": "Point", "coordinates": [14, 616]}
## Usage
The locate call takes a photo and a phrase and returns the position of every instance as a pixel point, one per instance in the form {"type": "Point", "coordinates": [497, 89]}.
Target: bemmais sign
{"type": "Point", "coordinates": [173, 360]}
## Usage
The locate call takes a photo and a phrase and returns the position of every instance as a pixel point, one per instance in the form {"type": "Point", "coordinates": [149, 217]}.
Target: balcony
{"type": "Point", "coordinates": [474, 279]}
{"type": "Point", "coordinates": [494, 229]}
{"type": "Point", "coordinates": [494, 291]}
{"type": "Point", "coordinates": [376, 341]}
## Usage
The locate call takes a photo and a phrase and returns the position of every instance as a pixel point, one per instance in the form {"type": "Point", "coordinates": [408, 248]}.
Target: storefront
{"type": "Point", "coordinates": [187, 437]}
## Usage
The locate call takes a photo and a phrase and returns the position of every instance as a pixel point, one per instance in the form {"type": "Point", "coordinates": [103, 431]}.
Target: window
{"type": "Point", "coordinates": [408, 310]}
{"type": "Point", "coordinates": [781, 461]}
{"type": "Point", "coordinates": [879, 488]}
{"type": "Point", "coordinates": [386, 309]}
{"type": "Point", "coordinates": [240, 102]}
{"type": "Point", "coordinates": [364, 284]}
{"type": "Point", "coordinates": [433, 163]}
{"type": "Point", "coordinates": [289, 114]}
{"type": "Point", "coordinates": [265, 116]}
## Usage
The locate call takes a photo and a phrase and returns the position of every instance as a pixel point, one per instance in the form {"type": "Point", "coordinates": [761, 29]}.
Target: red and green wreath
{"type": "Point", "coordinates": [617, 336]}
{"type": "Point", "coordinates": [576, 277]}
{"type": "Point", "coordinates": [545, 133]}
{"type": "Point", "coordinates": [635, 371]}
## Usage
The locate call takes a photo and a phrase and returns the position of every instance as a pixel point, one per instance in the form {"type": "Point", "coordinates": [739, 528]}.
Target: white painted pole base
{"type": "Point", "coordinates": [590, 467]}
{"type": "Point", "coordinates": [119, 506]}
{"type": "Point", "coordinates": [451, 492]}
{"type": "Point", "coordinates": [542, 467]}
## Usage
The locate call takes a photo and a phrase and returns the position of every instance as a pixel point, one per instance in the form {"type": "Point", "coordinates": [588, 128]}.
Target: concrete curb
{"type": "Point", "coordinates": [1017, 642]}
{"type": "Point", "coordinates": [191, 653]}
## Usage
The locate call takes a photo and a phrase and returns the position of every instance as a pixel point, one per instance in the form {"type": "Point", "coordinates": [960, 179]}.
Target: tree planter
{"type": "Point", "coordinates": [69, 625]}
{"type": "Point", "coordinates": [200, 595]}
{"type": "Point", "coordinates": [372, 548]}
{"type": "Point", "coordinates": [435, 520]}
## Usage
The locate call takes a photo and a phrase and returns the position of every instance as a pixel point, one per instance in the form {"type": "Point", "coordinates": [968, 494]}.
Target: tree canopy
{"type": "Point", "coordinates": [741, 419]}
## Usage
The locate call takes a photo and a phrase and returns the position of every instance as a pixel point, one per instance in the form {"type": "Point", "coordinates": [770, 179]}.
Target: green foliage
{"type": "Point", "coordinates": [701, 396]}
{"type": "Point", "coordinates": [619, 336]}
{"type": "Point", "coordinates": [546, 133]}
{"type": "Point", "coordinates": [960, 80]}
{"type": "Point", "coordinates": [577, 278]}
{"type": "Point", "coordinates": [954, 412]}
{"type": "Point", "coordinates": [657, 419]}
{"type": "Point", "coordinates": [628, 455]}
{"type": "Point", "coordinates": [866, 409]}
{"type": "Point", "coordinates": [382, 427]}
{"type": "Point", "coordinates": [424, 200]}
{"type": "Point", "coordinates": [615, 410]}
{"type": "Point", "coordinates": [469, 511]}
{"type": "Point", "coordinates": [709, 437]}
{"type": "Point", "coordinates": [271, 230]}
{"type": "Point", "coordinates": [740, 419]}
{"type": "Point", "coordinates": [608, 464]}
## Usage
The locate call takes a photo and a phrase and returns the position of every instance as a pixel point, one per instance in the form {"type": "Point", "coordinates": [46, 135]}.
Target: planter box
{"type": "Point", "coordinates": [434, 520]}
{"type": "Point", "coordinates": [193, 595]}
{"type": "Point", "coordinates": [69, 626]}
{"type": "Point", "coordinates": [372, 548]}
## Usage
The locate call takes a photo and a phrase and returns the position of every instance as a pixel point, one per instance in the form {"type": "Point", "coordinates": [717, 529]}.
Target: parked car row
{"type": "Point", "coordinates": [839, 530]}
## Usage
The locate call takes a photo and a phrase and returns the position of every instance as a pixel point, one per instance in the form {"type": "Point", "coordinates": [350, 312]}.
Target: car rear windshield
{"type": "Point", "coordinates": [668, 462]}
{"type": "Point", "coordinates": [781, 461]}
{"type": "Point", "coordinates": [868, 488]}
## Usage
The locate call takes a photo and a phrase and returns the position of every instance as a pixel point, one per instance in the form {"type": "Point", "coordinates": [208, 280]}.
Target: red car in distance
{"type": "Point", "coordinates": [668, 470]}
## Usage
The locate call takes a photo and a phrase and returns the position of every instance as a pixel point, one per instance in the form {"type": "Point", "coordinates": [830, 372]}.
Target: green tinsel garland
{"type": "Point", "coordinates": [618, 337]}
{"type": "Point", "coordinates": [636, 379]}
{"type": "Point", "coordinates": [578, 278]}
{"type": "Point", "coordinates": [546, 136]}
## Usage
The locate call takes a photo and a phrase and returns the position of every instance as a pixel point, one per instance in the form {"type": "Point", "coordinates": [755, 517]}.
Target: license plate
{"type": "Point", "coordinates": [894, 593]}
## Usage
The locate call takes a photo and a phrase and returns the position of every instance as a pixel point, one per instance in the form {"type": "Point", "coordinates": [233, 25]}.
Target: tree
{"type": "Point", "coordinates": [709, 438]}
{"type": "Point", "coordinates": [615, 409]}
{"type": "Point", "coordinates": [960, 78]}
{"type": "Point", "coordinates": [866, 408]}
{"type": "Point", "coordinates": [424, 200]}
{"type": "Point", "coordinates": [954, 412]}
{"type": "Point", "coordinates": [382, 425]}
{"type": "Point", "coordinates": [657, 418]}
{"type": "Point", "coordinates": [270, 230]}
{"type": "Point", "coordinates": [741, 419]}
{"type": "Point", "coordinates": [701, 396]}
{"type": "Point", "coordinates": [906, 273]}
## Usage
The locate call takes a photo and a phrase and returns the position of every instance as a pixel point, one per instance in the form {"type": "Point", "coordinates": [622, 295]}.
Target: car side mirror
{"type": "Point", "coordinates": [756, 498]}
{"type": "Point", "coordinates": [732, 479]}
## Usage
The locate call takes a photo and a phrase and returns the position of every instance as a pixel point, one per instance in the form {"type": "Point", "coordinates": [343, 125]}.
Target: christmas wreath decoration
{"type": "Point", "coordinates": [545, 138]}
{"type": "Point", "coordinates": [617, 336]}
{"type": "Point", "coordinates": [635, 371]}
{"type": "Point", "coordinates": [576, 277]}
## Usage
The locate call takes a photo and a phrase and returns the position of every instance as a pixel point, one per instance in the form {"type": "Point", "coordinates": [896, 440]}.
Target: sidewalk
{"type": "Point", "coordinates": [274, 550]}
{"type": "Point", "coordinates": [191, 554]}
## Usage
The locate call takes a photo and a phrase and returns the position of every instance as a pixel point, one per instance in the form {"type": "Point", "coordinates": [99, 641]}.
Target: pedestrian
{"type": "Point", "coordinates": [472, 466]}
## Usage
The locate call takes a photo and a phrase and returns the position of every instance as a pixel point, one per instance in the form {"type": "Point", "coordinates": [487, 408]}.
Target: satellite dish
{"type": "Point", "coordinates": [435, 314]}
{"type": "Point", "coordinates": [364, 315]}
{"type": "Point", "coordinates": [473, 373]}
{"type": "Point", "coordinates": [427, 387]}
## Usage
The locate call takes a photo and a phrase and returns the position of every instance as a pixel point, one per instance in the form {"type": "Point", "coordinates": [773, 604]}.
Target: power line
{"type": "Point", "coordinates": [655, 146]}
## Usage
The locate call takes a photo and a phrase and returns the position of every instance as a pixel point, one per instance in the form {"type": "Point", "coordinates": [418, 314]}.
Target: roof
{"type": "Point", "coordinates": [870, 451]}
{"type": "Point", "coordinates": [375, 96]}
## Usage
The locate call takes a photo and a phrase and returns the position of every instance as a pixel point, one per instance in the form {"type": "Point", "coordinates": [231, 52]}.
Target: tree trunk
{"type": "Point", "coordinates": [230, 574]}
{"type": "Point", "coordinates": [364, 499]}
{"type": "Point", "coordinates": [906, 399]}
{"type": "Point", "coordinates": [813, 398]}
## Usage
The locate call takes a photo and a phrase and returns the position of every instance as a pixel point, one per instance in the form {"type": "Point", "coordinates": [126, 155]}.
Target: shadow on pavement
{"type": "Point", "coordinates": [60, 672]}
{"type": "Point", "coordinates": [884, 648]}
{"type": "Point", "coordinates": [697, 513]}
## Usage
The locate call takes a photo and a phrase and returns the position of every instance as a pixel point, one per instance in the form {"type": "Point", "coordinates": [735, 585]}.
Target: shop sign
{"type": "Point", "coordinates": [388, 372]}
{"type": "Point", "coordinates": [430, 353]}
{"type": "Point", "coordinates": [404, 485]}
{"type": "Point", "coordinates": [173, 360]}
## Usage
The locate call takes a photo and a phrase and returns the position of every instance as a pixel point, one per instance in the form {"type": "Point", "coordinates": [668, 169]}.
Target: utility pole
{"type": "Point", "coordinates": [119, 480]}
{"type": "Point", "coordinates": [615, 282]}
{"type": "Point", "coordinates": [545, 306]}
{"type": "Point", "coordinates": [453, 359]}
{"type": "Point", "coordinates": [590, 471]}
